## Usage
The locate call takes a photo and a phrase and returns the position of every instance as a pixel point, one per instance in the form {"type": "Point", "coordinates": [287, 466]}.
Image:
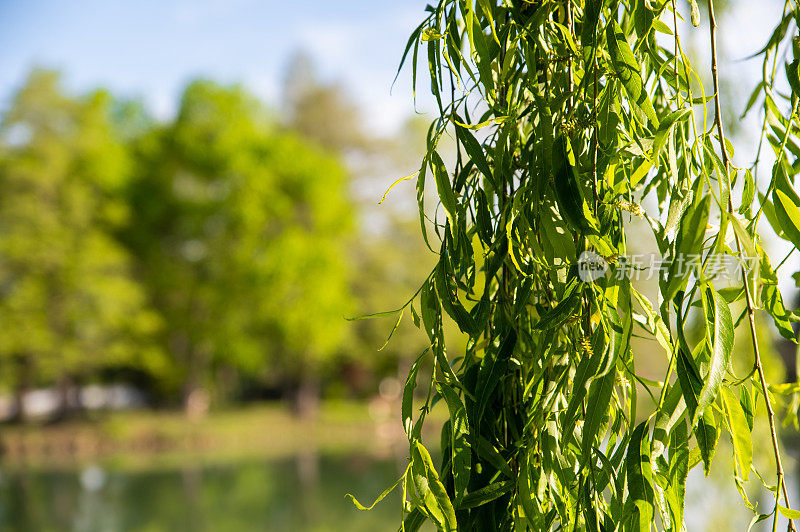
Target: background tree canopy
{"type": "Point", "coordinates": [241, 232]}
{"type": "Point", "coordinates": [70, 304]}
{"type": "Point", "coordinates": [216, 252]}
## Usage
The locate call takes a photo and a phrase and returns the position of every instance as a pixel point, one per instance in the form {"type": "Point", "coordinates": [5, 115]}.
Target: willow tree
{"type": "Point", "coordinates": [573, 119]}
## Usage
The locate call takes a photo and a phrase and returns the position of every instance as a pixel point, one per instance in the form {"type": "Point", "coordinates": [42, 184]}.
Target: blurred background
{"type": "Point", "coordinates": [188, 214]}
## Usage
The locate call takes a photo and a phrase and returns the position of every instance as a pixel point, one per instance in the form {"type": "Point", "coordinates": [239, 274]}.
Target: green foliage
{"type": "Point", "coordinates": [241, 233]}
{"type": "Point", "coordinates": [216, 242]}
{"type": "Point", "coordinates": [69, 302]}
{"type": "Point", "coordinates": [585, 119]}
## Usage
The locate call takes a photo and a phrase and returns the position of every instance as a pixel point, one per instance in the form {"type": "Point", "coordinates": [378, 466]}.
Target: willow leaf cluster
{"type": "Point", "coordinates": [570, 121]}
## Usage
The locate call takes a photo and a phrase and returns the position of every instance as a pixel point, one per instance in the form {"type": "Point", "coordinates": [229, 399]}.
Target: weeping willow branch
{"type": "Point", "coordinates": [581, 120]}
{"type": "Point", "coordinates": [745, 275]}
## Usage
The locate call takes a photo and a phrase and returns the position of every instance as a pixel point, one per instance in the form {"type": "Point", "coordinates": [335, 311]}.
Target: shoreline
{"type": "Point", "coordinates": [152, 438]}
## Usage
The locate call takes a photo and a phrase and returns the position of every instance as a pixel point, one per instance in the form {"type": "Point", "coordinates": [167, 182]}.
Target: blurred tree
{"type": "Point", "coordinates": [241, 232]}
{"type": "Point", "coordinates": [68, 303]}
{"type": "Point", "coordinates": [389, 261]}
{"type": "Point", "coordinates": [321, 112]}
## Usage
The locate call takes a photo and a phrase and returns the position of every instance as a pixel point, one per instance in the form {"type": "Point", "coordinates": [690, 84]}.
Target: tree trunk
{"type": "Point", "coordinates": [226, 386]}
{"type": "Point", "coordinates": [67, 399]}
{"type": "Point", "coordinates": [196, 400]}
{"type": "Point", "coordinates": [21, 388]}
{"type": "Point", "coordinates": [306, 396]}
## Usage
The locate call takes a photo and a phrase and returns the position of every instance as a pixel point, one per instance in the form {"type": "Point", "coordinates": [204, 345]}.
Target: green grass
{"type": "Point", "coordinates": [145, 439]}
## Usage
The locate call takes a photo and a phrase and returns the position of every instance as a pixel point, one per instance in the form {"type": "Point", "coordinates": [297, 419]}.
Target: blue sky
{"type": "Point", "coordinates": [150, 49]}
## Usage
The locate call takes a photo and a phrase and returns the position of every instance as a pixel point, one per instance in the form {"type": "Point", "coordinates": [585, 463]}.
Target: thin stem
{"type": "Point", "coordinates": [781, 263]}
{"type": "Point", "coordinates": [763, 131]}
{"type": "Point", "coordinates": [675, 29]}
{"type": "Point", "coordinates": [781, 153]}
{"type": "Point", "coordinates": [715, 77]}
{"type": "Point", "coordinates": [569, 62]}
{"type": "Point", "coordinates": [748, 295]}
{"type": "Point", "coordinates": [595, 140]}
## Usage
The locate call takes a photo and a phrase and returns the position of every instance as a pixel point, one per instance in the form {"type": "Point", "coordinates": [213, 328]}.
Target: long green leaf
{"type": "Point", "coordinates": [431, 490]}
{"type": "Point", "coordinates": [740, 432]}
{"type": "Point", "coordinates": [571, 203]}
{"type": "Point", "coordinates": [665, 127]}
{"type": "Point", "coordinates": [689, 379]}
{"type": "Point", "coordinates": [474, 151]}
{"type": "Point", "coordinates": [556, 316]}
{"type": "Point", "coordinates": [678, 469]}
{"type": "Point", "coordinates": [788, 213]}
{"type": "Point", "coordinates": [720, 339]}
{"type": "Point", "coordinates": [598, 403]}
{"type": "Point", "coordinates": [640, 476]}
{"type": "Point", "coordinates": [382, 496]}
{"type": "Point", "coordinates": [491, 371]}
{"type": "Point", "coordinates": [691, 232]}
{"type": "Point", "coordinates": [627, 69]}
{"type": "Point", "coordinates": [486, 494]}
{"type": "Point", "coordinates": [444, 187]}
{"type": "Point", "coordinates": [707, 436]}
{"type": "Point", "coordinates": [407, 405]}
{"type": "Point", "coordinates": [772, 299]}
{"type": "Point", "coordinates": [461, 458]}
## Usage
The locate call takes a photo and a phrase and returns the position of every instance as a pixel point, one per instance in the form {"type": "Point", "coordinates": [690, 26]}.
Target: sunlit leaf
{"type": "Point", "coordinates": [627, 69]}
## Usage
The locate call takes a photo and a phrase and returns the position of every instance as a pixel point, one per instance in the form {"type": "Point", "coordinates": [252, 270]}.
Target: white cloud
{"type": "Point", "coordinates": [331, 43]}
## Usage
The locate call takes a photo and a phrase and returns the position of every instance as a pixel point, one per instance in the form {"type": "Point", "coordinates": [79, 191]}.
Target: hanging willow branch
{"type": "Point", "coordinates": [573, 123]}
{"type": "Point", "coordinates": [747, 290]}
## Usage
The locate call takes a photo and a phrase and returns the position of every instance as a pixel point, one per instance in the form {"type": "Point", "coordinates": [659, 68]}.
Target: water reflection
{"type": "Point", "coordinates": [305, 493]}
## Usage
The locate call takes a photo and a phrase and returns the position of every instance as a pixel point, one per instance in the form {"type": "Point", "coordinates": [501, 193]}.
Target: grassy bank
{"type": "Point", "coordinates": [147, 438]}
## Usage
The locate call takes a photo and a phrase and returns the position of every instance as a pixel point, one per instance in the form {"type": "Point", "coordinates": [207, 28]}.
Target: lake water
{"type": "Point", "coordinates": [305, 493]}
